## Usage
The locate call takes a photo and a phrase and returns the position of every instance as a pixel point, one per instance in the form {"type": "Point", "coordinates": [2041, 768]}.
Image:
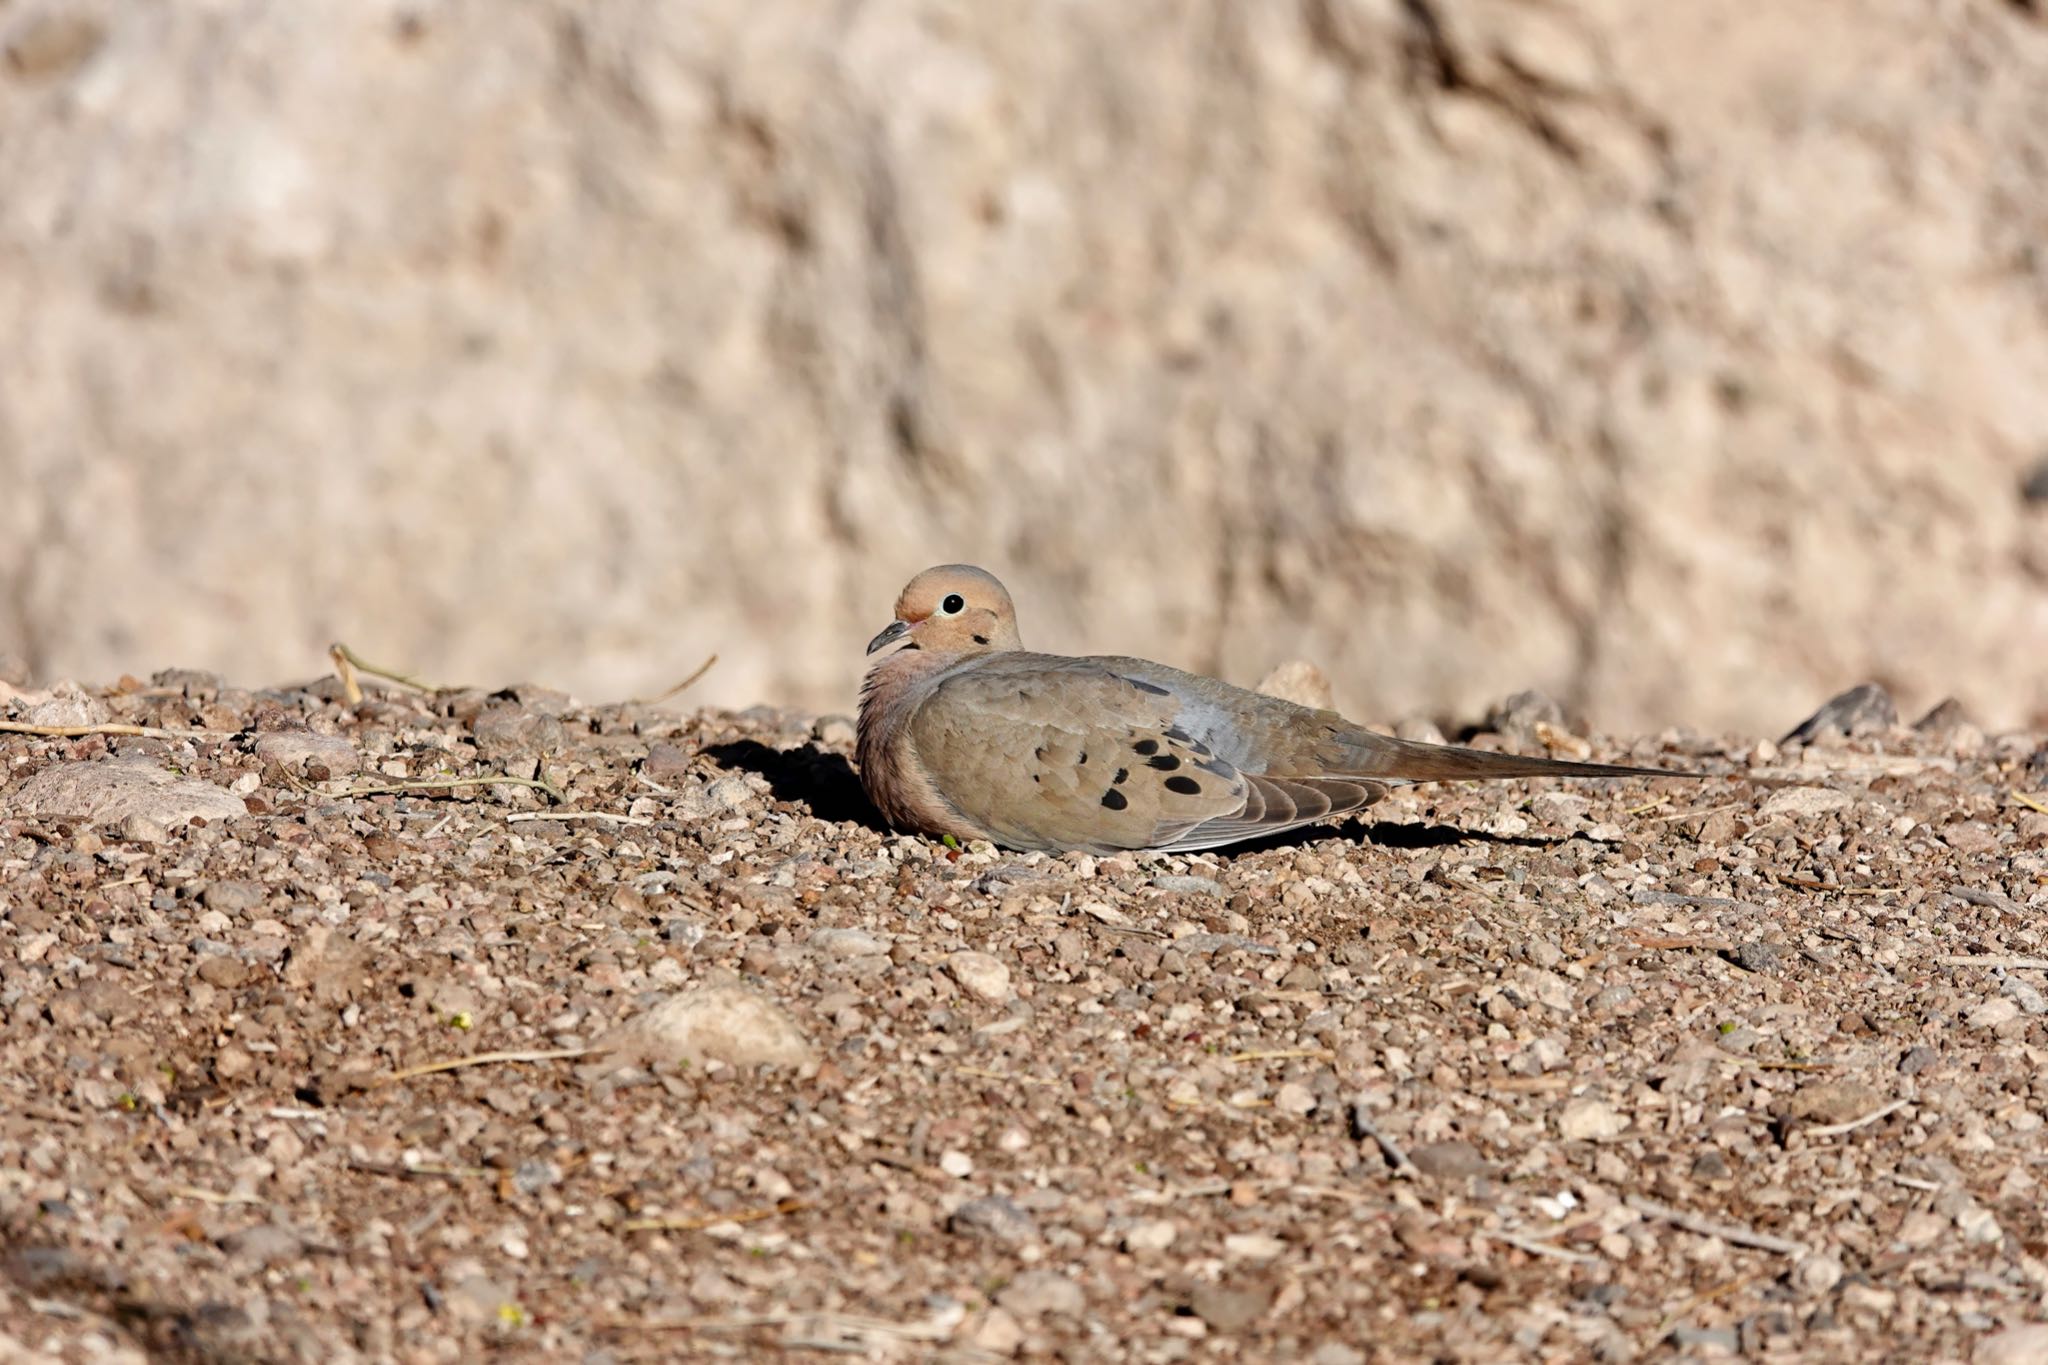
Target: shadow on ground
{"type": "Point", "coordinates": [818, 778]}
{"type": "Point", "coordinates": [1386, 834]}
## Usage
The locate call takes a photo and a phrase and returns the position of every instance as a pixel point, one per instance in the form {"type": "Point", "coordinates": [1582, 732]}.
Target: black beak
{"type": "Point", "coordinates": [891, 633]}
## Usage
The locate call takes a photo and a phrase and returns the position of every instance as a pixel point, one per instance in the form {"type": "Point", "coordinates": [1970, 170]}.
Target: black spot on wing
{"type": "Point", "coordinates": [1039, 753]}
{"type": "Point", "coordinates": [1152, 688]}
{"type": "Point", "coordinates": [1186, 786]}
{"type": "Point", "coordinates": [1166, 763]}
{"type": "Point", "coordinates": [1121, 774]}
{"type": "Point", "coordinates": [1084, 758]}
{"type": "Point", "coordinates": [1145, 747]}
{"type": "Point", "coordinates": [1114, 799]}
{"type": "Point", "coordinates": [981, 639]}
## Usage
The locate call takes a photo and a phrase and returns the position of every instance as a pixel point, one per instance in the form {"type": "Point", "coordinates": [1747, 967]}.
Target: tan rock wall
{"type": "Point", "coordinates": [1684, 360]}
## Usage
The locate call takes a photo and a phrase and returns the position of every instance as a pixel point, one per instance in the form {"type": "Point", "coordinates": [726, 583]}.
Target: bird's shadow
{"type": "Point", "coordinates": [826, 782]}
{"type": "Point", "coordinates": [1387, 834]}
{"type": "Point", "coordinates": [817, 777]}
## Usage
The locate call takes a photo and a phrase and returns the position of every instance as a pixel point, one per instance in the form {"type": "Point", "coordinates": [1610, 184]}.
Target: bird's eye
{"type": "Point", "coordinates": [953, 605]}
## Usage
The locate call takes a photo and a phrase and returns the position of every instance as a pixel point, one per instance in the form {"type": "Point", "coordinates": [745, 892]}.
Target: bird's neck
{"type": "Point", "coordinates": [893, 681]}
{"type": "Point", "coordinates": [888, 769]}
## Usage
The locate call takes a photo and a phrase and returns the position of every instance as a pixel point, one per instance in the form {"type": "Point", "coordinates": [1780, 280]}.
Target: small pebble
{"type": "Point", "coordinates": [1040, 1294]}
{"type": "Point", "coordinates": [992, 1217]}
{"type": "Point", "coordinates": [1758, 956]}
{"type": "Point", "coordinates": [1252, 1246]}
{"type": "Point", "coordinates": [982, 976]}
{"type": "Point", "coordinates": [1817, 1274]}
{"type": "Point", "coordinates": [844, 943]}
{"type": "Point", "coordinates": [1453, 1160]}
{"type": "Point", "coordinates": [1228, 1309]}
{"type": "Point", "coordinates": [1718, 1338]}
{"type": "Point", "coordinates": [232, 897]}
{"type": "Point", "coordinates": [1590, 1120]}
{"type": "Point", "coordinates": [1294, 1098]}
{"type": "Point", "coordinates": [1155, 1234]}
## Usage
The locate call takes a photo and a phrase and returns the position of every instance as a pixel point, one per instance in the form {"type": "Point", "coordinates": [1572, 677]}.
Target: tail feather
{"type": "Point", "coordinates": [1377, 756]}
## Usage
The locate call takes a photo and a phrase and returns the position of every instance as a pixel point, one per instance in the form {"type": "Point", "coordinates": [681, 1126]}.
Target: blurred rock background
{"type": "Point", "coordinates": [1686, 361]}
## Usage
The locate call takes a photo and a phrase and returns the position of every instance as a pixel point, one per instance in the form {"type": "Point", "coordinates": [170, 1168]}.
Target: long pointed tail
{"type": "Point", "coordinates": [1407, 760]}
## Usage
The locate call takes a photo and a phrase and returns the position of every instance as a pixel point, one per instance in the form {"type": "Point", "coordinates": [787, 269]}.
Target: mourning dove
{"type": "Point", "coordinates": [964, 732]}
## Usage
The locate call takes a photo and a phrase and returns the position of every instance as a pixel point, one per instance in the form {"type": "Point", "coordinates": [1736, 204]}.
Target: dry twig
{"type": "Point", "coordinates": [1703, 811]}
{"type": "Point", "coordinates": [684, 685]}
{"type": "Point", "coordinates": [481, 1059]}
{"type": "Point", "coordinates": [864, 1331]}
{"type": "Point", "coordinates": [983, 1073]}
{"type": "Point", "coordinates": [1363, 1126]}
{"type": "Point", "coordinates": [18, 727]}
{"type": "Point", "coordinates": [423, 1171]}
{"type": "Point", "coordinates": [347, 663]}
{"type": "Point", "coordinates": [1703, 1298]}
{"type": "Point", "coordinates": [517, 816]}
{"type": "Point", "coordinates": [1733, 1233]}
{"type": "Point", "coordinates": [1837, 1129]}
{"type": "Point", "coordinates": [210, 1196]}
{"type": "Point", "coordinates": [428, 784]}
{"type": "Point", "coordinates": [1539, 1248]}
{"type": "Point", "coordinates": [1815, 884]}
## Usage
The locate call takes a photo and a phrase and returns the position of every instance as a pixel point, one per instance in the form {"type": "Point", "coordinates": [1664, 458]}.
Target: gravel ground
{"type": "Point", "coordinates": [1546, 1070]}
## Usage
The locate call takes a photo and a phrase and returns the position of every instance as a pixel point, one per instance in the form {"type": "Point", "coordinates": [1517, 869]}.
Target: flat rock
{"type": "Point", "coordinates": [1802, 802]}
{"type": "Point", "coordinates": [727, 1023]}
{"type": "Point", "coordinates": [1992, 1013]}
{"type": "Point", "coordinates": [1590, 1120]}
{"type": "Point", "coordinates": [516, 732]}
{"type": "Point", "coordinates": [297, 749]}
{"type": "Point", "coordinates": [108, 791]}
{"type": "Point", "coordinates": [232, 895]}
{"type": "Point", "coordinates": [1827, 1102]}
{"type": "Point", "coordinates": [1229, 1309]}
{"type": "Point", "coordinates": [66, 704]}
{"type": "Point", "coordinates": [1452, 1160]}
{"type": "Point", "coordinates": [1257, 1247]}
{"type": "Point", "coordinates": [1042, 1293]}
{"type": "Point", "coordinates": [842, 943]}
